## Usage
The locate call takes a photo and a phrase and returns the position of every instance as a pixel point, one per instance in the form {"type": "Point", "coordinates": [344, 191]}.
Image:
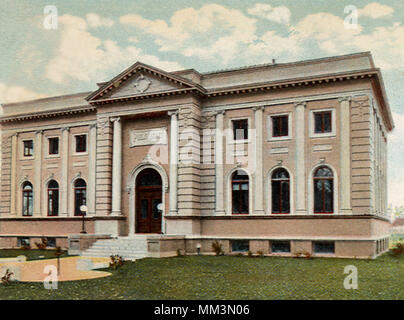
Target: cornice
{"type": "Point", "coordinates": [48, 114]}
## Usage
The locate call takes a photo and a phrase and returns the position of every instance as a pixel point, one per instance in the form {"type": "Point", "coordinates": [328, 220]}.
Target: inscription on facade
{"type": "Point", "coordinates": [148, 137]}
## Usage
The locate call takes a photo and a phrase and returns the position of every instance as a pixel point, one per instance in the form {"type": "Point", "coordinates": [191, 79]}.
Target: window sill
{"type": "Point", "coordinates": [323, 135]}
{"type": "Point", "coordinates": [80, 154]}
{"type": "Point", "coordinates": [27, 158]}
{"type": "Point", "coordinates": [52, 156]}
{"type": "Point", "coordinates": [323, 212]}
{"type": "Point", "coordinates": [239, 141]}
{"type": "Point", "coordinates": [284, 138]}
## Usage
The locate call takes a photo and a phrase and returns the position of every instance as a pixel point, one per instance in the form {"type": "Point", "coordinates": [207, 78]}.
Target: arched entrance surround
{"type": "Point", "coordinates": [132, 190]}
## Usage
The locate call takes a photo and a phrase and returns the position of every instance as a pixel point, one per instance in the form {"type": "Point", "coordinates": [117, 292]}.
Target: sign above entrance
{"type": "Point", "coordinates": [148, 137]}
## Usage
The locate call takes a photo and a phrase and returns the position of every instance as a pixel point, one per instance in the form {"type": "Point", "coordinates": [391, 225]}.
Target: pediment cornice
{"type": "Point", "coordinates": [142, 70]}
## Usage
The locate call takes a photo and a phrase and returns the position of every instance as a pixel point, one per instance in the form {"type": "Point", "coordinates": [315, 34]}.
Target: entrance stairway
{"type": "Point", "coordinates": [129, 248]}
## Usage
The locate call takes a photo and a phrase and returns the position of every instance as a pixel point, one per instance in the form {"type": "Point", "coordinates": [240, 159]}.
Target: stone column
{"type": "Point", "coordinates": [117, 167]}
{"type": "Point", "coordinates": [345, 155]}
{"type": "Point", "coordinates": [259, 170]}
{"type": "Point", "coordinates": [92, 149]}
{"type": "Point", "coordinates": [38, 173]}
{"type": "Point", "coordinates": [300, 158]}
{"type": "Point", "coordinates": [219, 165]}
{"type": "Point", "coordinates": [64, 181]}
{"type": "Point", "coordinates": [173, 205]}
{"type": "Point", "coordinates": [13, 187]}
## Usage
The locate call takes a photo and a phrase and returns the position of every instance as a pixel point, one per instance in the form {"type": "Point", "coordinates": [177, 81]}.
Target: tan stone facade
{"type": "Point", "coordinates": [181, 125]}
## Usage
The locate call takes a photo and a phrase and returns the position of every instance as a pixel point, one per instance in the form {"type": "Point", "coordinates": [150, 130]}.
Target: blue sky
{"type": "Point", "coordinates": [95, 40]}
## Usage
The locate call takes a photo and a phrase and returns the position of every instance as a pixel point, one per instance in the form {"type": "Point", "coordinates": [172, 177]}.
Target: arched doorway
{"type": "Point", "coordinates": [148, 198]}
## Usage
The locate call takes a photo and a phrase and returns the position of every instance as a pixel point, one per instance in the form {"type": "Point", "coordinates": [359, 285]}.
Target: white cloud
{"type": "Point", "coordinates": [279, 14]}
{"type": "Point", "coordinates": [82, 56]}
{"type": "Point", "coordinates": [16, 94]}
{"type": "Point", "coordinates": [133, 39]}
{"type": "Point", "coordinates": [324, 26]}
{"type": "Point", "coordinates": [376, 10]}
{"type": "Point", "coordinates": [272, 46]}
{"type": "Point", "coordinates": [211, 32]}
{"type": "Point", "coordinates": [95, 21]}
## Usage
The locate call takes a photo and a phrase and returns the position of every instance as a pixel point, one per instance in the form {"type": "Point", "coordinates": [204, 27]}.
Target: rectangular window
{"type": "Point", "coordinates": [28, 148]}
{"type": "Point", "coordinates": [280, 246]}
{"type": "Point", "coordinates": [22, 242]}
{"type": "Point", "coordinates": [324, 247]}
{"type": "Point", "coordinates": [240, 245]}
{"type": "Point", "coordinates": [240, 129]}
{"type": "Point", "coordinates": [51, 242]}
{"type": "Point", "coordinates": [280, 126]}
{"type": "Point", "coordinates": [81, 143]}
{"type": "Point", "coordinates": [322, 122]}
{"type": "Point", "coordinates": [53, 145]}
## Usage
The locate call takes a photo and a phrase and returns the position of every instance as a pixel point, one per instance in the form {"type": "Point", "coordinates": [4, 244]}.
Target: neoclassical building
{"type": "Point", "coordinates": [285, 158]}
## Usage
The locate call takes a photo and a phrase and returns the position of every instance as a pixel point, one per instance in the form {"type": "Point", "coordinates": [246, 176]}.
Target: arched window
{"type": "Point", "coordinates": [280, 191]}
{"type": "Point", "coordinates": [80, 194]}
{"type": "Point", "coordinates": [240, 196]}
{"type": "Point", "coordinates": [148, 178]}
{"type": "Point", "coordinates": [27, 199]}
{"type": "Point", "coordinates": [323, 182]}
{"type": "Point", "coordinates": [53, 198]}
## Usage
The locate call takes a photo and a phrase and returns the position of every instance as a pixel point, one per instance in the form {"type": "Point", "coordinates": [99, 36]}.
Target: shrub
{"type": "Point", "coordinates": [179, 253]}
{"type": "Point", "coordinates": [6, 278]}
{"type": "Point", "coordinates": [260, 253]}
{"type": "Point", "coordinates": [303, 254]}
{"type": "Point", "coordinates": [249, 254]}
{"type": "Point", "coordinates": [217, 248]}
{"type": "Point", "coordinates": [43, 244]}
{"type": "Point", "coordinates": [116, 261]}
{"type": "Point", "coordinates": [398, 249]}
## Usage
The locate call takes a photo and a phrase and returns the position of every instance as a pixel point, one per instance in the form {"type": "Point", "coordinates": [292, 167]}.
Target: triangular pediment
{"type": "Point", "coordinates": [141, 80]}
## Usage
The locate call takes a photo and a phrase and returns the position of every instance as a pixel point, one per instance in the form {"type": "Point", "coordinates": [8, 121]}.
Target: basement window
{"type": "Point", "coordinates": [23, 242]}
{"type": "Point", "coordinates": [240, 245]}
{"type": "Point", "coordinates": [324, 247]}
{"type": "Point", "coordinates": [51, 242]}
{"type": "Point", "coordinates": [280, 246]}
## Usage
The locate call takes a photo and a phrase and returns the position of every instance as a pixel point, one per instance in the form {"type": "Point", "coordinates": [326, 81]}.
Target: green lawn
{"type": "Point", "coordinates": [225, 277]}
{"type": "Point", "coordinates": [32, 254]}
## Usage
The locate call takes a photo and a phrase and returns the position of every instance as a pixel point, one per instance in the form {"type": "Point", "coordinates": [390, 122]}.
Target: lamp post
{"type": "Point", "coordinates": [83, 210]}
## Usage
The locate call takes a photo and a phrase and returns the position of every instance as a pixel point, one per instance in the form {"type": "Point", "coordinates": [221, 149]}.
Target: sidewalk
{"type": "Point", "coordinates": [33, 271]}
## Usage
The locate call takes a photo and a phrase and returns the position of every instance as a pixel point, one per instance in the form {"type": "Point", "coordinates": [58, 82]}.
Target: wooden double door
{"type": "Point", "coordinates": [148, 215]}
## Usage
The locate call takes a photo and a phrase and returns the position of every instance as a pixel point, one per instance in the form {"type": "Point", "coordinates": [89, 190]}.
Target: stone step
{"type": "Point", "coordinates": [128, 248]}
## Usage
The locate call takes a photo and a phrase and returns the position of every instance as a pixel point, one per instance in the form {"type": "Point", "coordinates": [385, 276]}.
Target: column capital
{"type": "Point", "coordinates": [301, 103]}
{"type": "Point", "coordinates": [39, 132]}
{"type": "Point", "coordinates": [217, 112]}
{"type": "Point", "coordinates": [92, 126]}
{"type": "Point", "coordinates": [15, 134]}
{"type": "Point", "coordinates": [65, 129]}
{"type": "Point", "coordinates": [173, 113]}
{"type": "Point", "coordinates": [256, 108]}
{"type": "Point", "coordinates": [115, 119]}
{"type": "Point", "coordinates": [346, 98]}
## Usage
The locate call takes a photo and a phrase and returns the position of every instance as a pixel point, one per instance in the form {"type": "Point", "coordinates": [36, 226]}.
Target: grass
{"type": "Point", "coordinates": [225, 277]}
{"type": "Point", "coordinates": [33, 254]}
